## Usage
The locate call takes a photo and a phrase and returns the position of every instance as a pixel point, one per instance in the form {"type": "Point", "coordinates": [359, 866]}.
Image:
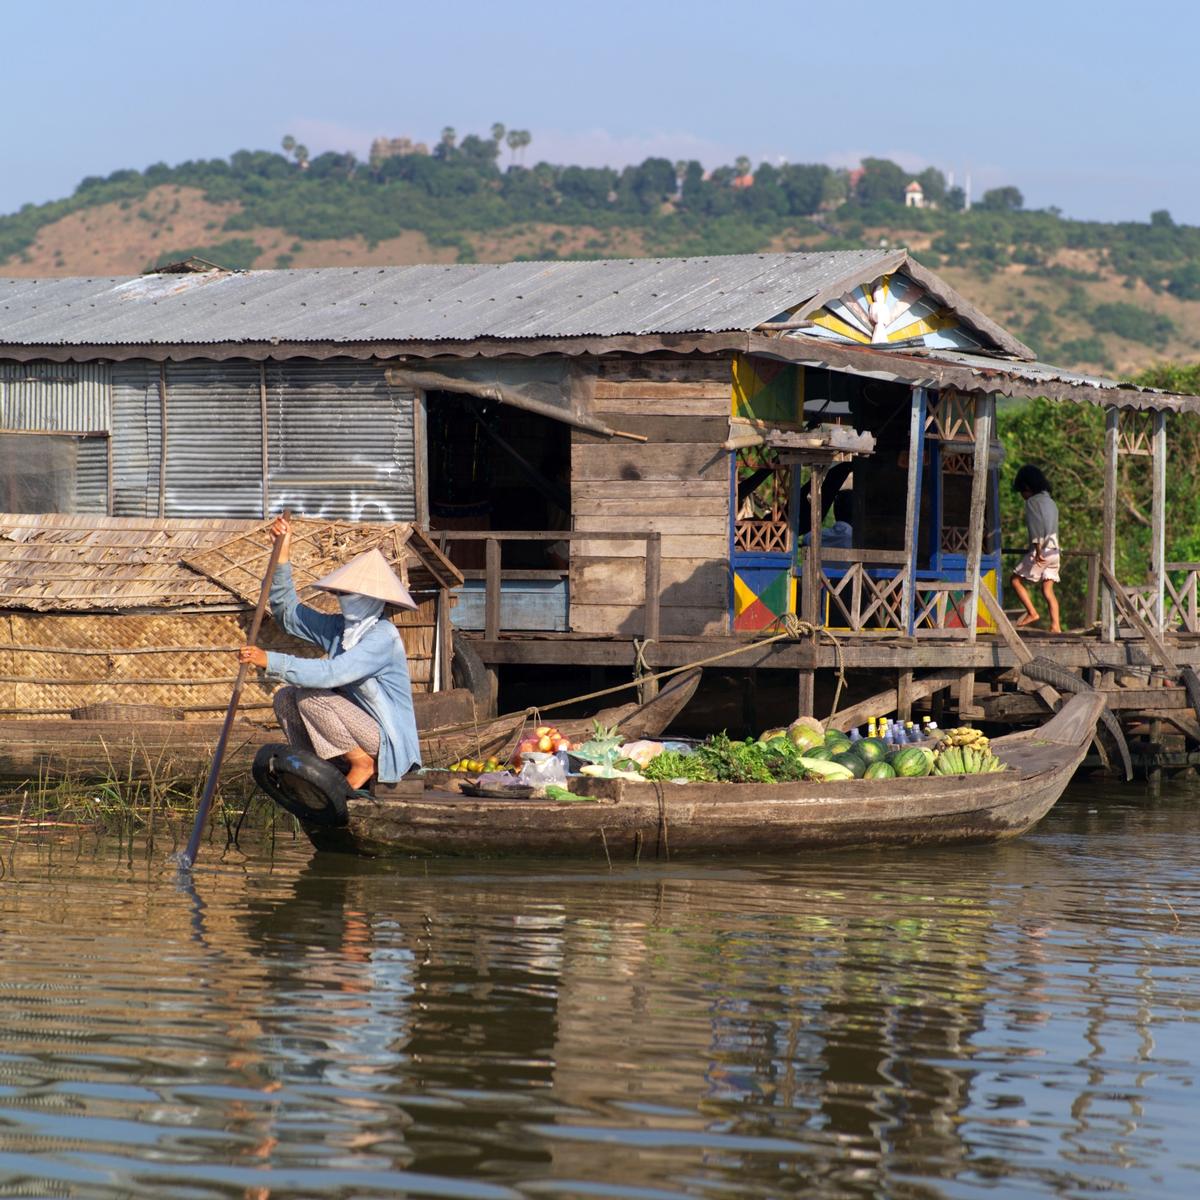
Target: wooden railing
{"type": "Point", "coordinates": [1181, 602]}
{"type": "Point", "coordinates": [869, 595]}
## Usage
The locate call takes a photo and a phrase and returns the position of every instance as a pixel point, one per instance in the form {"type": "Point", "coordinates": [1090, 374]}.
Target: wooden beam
{"type": "Point", "coordinates": [1108, 545]}
{"type": "Point", "coordinates": [888, 700]}
{"type": "Point", "coordinates": [912, 505]}
{"type": "Point", "coordinates": [1158, 520]}
{"type": "Point", "coordinates": [1129, 610]}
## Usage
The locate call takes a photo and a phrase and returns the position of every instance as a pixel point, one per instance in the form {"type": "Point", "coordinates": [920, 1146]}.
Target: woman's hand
{"type": "Point", "coordinates": [253, 655]}
{"type": "Point", "coordinates": [281, 532]}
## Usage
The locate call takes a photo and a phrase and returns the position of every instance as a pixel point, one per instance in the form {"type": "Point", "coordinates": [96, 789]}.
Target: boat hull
{"type": "Point", "coordinates": [621, 820]}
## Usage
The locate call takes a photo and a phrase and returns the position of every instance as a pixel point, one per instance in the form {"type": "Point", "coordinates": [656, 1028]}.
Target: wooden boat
{"type": "Point", "coordinates": [627, 820]}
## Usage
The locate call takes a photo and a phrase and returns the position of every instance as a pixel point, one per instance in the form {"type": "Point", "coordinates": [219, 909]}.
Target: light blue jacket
{"type": "Point", "coordinates": [374, 674]}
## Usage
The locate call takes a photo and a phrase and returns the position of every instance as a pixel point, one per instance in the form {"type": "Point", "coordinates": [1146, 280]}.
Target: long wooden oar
{"type": "Point", "coordinates": [188, 857]}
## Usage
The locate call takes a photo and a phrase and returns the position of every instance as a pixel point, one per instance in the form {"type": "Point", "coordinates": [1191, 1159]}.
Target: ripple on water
{"type": "Point", "coordinates": [1015, 1020]}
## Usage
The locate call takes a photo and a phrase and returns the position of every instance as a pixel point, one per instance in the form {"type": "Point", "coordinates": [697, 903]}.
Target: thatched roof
{"type": "Point", "coordinates": [52, 562]}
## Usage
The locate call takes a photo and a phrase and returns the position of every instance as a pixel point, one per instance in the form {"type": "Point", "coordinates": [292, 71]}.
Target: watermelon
{"type": "Point", "coordinates": [821, 753]}
{"type": "Point", "coordinates": [805, 738]}
{"type": "Point", "coordinates": [838, 742]}
{"type": "Point", "coordinates": [771, 734]}
{"type": "Point", "coordinates": [880, 770]}
{"type": "Point", "coordinates": [852, 763]}
{"type": "Point", "coordinates": [911, 762]}
{"type": "Point", "coordinates": [871, 750]}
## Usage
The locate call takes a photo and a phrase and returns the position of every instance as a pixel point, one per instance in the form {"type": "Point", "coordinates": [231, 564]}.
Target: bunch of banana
{"type": "Point", "coordinates": [966, 760]}
{"type": "Point", "coordinates": [964, 736]}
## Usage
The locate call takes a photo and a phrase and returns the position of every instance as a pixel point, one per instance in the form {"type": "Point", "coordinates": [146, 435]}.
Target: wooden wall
{"type": "Point", "coordinates": [675, 483]}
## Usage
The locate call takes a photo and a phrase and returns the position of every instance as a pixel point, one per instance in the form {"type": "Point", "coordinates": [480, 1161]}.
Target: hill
{"type": "Point", "coordinates": [1109, 297]}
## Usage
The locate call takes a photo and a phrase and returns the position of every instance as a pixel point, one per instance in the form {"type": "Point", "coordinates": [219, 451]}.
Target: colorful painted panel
{"type": "Point", "coordinates": [767, 391]}
{"type": "Point", "coordinates": [891, 311]}
{"type": "Point", "coordinates": [761, 595]}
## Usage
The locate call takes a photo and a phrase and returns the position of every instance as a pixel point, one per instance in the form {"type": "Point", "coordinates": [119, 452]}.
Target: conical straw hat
{"type": "Point", "coordinates": [368, 574]}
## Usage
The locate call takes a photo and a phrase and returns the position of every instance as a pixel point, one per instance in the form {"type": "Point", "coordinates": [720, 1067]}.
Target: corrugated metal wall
{"type": "Point", "coordinates": [340, 443]}
{"type": "Point", "coordinates": [91, 476]}
{"type": "Point", "coordinates": [137, 438]}
{"type": "Point", "coordinates": [214, 440]}
{"type": "Point", "coordinates": [55, 397]}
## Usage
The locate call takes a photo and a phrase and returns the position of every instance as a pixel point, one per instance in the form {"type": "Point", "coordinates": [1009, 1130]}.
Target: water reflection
{"type": "Point", "coordinates": [931, 1024]}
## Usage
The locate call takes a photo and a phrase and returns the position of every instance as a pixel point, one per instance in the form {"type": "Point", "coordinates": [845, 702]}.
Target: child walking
{"type": "Point", "coordinates": [1040, 564]}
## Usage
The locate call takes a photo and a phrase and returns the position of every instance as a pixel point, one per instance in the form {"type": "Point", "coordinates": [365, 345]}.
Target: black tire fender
{"type": "Point", "coordinates": [1045, 670]}
{"type": "Point", "coordinates": [311, 789]}
{"type": "Point", "coordinates": [467, 670]}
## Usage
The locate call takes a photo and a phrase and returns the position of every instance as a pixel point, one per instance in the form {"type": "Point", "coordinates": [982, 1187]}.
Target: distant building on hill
{"type": "Point", "coordinates": [914, 195]}
{"type": "Point", "coordinates": [382, 148]}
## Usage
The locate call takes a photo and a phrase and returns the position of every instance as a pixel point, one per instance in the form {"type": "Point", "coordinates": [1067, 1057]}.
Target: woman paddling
{"type": "Point", "coordinates": [356, 703]}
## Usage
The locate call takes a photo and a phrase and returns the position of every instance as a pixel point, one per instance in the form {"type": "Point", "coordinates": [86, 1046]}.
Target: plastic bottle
{"type": "Point", "coordinates": [855, 736]}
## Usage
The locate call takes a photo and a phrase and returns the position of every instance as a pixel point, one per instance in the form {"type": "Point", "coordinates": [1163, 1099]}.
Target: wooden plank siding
{"type": "Point", "coordinates": [676, 484]}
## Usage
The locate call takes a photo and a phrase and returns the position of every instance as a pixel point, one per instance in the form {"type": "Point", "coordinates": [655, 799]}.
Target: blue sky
{"type": "Point", "coordinates": [1087, 106]}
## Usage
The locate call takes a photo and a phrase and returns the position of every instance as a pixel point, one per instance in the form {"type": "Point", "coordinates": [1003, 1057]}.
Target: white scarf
{"type": "Point", "coordinates": [359, 614]}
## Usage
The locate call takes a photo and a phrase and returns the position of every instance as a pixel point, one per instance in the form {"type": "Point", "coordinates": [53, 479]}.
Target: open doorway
{"type": "Point", "coordinates": [495, 466]}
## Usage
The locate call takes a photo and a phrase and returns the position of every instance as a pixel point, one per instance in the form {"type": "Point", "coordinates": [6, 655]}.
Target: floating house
{"type": "Point", "coordinates": [628, 462]}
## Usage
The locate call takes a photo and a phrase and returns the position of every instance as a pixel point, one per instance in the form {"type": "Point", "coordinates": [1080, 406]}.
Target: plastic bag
{"type": "Point", "coordinates": [539, 770]}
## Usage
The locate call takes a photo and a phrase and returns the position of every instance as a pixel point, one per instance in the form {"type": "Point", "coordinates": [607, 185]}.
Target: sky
{"type": "Point", "coordinates": [1086, 105]}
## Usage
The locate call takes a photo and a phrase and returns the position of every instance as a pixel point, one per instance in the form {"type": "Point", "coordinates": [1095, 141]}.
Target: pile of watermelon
{"type": "Point", "coordinates": [833, 755]}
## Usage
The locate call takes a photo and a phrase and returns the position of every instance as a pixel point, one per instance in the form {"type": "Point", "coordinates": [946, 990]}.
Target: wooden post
{"type": "Point", "coordinates": [1092, 612]}
{"type": "Point", "coordinates": [491, 590]}
{"type": "Point", "coordinates": [984, 408]}
{"type": "Point", "coordinates": [420, 460]}
{"type": "Point", "coordinates": [1108, 545]}
{"type": "Point", "coordinates": [977, 519]}
{"type": "Point", "coordinates": [653, 609]}
{"type": "Point", "coordinates": [1158, 520]}
{"type": "Point", "coordinates": [904, 686]}
{"type": "Point", "coordinates": [491, 613]}
{"type": "Point", "coordinates": [810, 599]}
{"type": "Point", "coordinates": [912, 507]}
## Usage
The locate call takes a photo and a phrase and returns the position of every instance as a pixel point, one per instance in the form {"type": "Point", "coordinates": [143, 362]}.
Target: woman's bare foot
{"type": "Point", "coordinates": [362, 767]}
{"type": "Point", "coordinates": [1027, 619]}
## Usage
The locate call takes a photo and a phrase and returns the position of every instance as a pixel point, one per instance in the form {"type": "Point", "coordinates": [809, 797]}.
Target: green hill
{"type": "Point", "coordinates": [1112, 297]}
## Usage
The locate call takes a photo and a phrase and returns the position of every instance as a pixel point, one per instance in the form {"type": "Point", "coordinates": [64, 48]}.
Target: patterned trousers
{"type": "Point", "coordinates": [328, 722]}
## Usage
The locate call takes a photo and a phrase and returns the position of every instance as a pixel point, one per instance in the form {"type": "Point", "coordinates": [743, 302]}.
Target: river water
{"type": "Point", "coordinates": [1017, 1020]}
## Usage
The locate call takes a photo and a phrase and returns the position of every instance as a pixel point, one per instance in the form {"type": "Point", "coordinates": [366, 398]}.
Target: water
{"type": "Point", "coordinates": [1017, 1021]}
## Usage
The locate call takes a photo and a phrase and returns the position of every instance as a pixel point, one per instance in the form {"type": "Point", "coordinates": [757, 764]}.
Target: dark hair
{"type": "Point", "coordinates": [843, 506]}
{"type": "Point", "coordinates": [1030, 479]}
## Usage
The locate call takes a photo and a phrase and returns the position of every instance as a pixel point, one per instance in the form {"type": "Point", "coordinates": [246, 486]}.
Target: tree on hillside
{"type": "Point", "coordinates": [956, 199]}
{"type": "Point", "coordinates": [882, 182]}
{"type": "Point", "coordinates": [300, 153]}
{"type": "Point", "coordinates": [1002, 199]}
{"type": "Point", "coordinates": [497, 134]}
{"type": "Point", "coordinates": [804, 187]}
{"type": "Point", "coordinates": [518, 139]}
{"type": "Point", "coordinates": [288, 143]}
{"type": "Point", "coordinates": [933, 184]}
{"type": "Point", "coordinates": [741, 165]}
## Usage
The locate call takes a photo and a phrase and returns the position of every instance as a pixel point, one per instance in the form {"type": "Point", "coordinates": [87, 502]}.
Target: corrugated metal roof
{"type": "Point", "coordinates": [425, 303]}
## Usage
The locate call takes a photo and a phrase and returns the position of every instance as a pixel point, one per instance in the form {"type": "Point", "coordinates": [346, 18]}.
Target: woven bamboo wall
{"type": "Point", "coordinates": [51, 663]}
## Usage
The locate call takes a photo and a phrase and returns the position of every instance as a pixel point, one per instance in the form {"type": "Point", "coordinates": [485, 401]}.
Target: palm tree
{"type": "Point", "coordinates": [301, 153]}
{"type": "Point", "coordinates": [449, 137]}
{"type": "Point", "coordinates": [513, 140]}
{"type": "Point", "coordinates": [497, 133]}
{"type": "Point", "coordinates": [288, 143]}
{"type": "Point", "coordinates": [742, 165]}
{"type": "Point", "coordinates": [526, 137]}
